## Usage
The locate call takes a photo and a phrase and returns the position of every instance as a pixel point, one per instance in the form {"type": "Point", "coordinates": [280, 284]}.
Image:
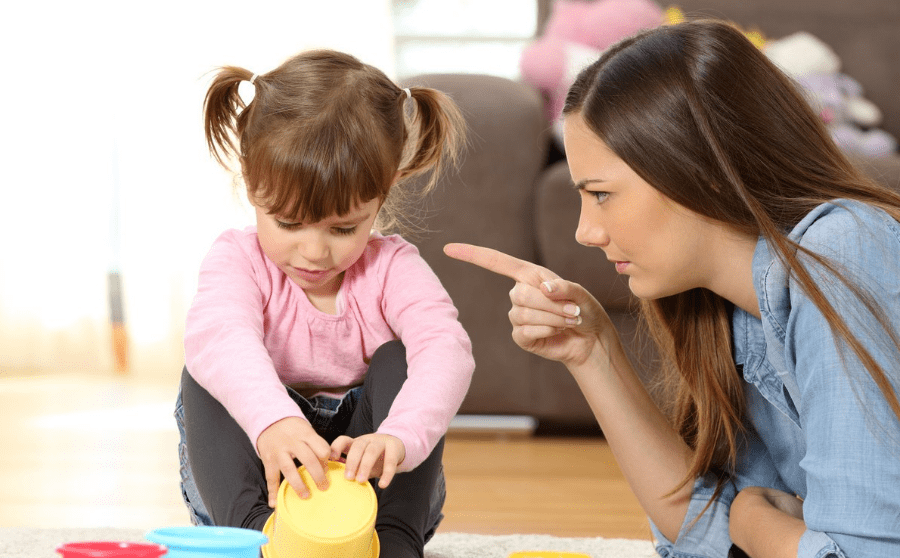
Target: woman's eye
{"type": "Point", "coordinates": [599, 196]}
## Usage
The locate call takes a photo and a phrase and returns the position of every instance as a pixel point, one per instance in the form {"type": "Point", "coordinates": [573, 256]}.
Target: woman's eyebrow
{"type": "Point", "coordinates": [582, 184]}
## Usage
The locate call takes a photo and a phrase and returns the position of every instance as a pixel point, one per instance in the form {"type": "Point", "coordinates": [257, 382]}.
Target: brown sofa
{"type": "Point", "coordinates": [513, 193]}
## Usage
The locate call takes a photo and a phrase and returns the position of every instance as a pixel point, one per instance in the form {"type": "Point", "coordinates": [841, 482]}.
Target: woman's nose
{"type": "Point", "coordinates": [590, 232]}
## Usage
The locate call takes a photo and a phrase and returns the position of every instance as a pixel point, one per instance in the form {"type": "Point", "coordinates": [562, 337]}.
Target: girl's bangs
{"type": "Point", "coordinates": [308, 188]}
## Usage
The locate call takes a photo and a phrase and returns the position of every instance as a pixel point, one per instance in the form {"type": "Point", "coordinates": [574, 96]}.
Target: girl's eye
{"type": "Point", "coordinates": [345, 232]}
{"type": "Point", "coordinates": [288, 226]}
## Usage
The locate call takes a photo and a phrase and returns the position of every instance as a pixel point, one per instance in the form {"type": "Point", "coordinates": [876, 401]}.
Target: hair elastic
{"type": "Point", "coordinates": [253, 79]}
{"type": "Point", "coordinates": [407, 92]}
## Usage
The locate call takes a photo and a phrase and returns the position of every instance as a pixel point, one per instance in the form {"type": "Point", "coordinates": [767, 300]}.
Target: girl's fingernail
{"type": "Point", "coordinates": [547, 286]}
{"type": "Point", "coordinates": [574, 321]}
{"type": "Point", "coordinates": [572, 310]}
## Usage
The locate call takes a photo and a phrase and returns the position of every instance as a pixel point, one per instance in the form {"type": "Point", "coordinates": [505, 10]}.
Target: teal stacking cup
{"type": "Point", "coordinates": [209, 542]}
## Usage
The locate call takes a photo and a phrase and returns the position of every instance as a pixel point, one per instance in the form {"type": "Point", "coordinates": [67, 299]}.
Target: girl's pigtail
{"type": "Point", "coordinates": [437, 134]}
{"type": "Point", "coordinates": [221, 110]}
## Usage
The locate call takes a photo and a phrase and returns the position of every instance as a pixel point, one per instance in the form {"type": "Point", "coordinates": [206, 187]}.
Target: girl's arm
{"type": "Point", "coordinates": [560, 320]}
{"type": "Point", "coordinates": [224, 335]}
{"type": "Point", "coordinates": [225, 353]}
{"type": "Point", "coordinates": [439, 358]}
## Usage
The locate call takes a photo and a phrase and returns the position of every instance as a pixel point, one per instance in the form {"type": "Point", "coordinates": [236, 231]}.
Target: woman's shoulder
{"type": "Point", "coordinates": [860, 241]}
{"type": "Point", "coordinates": [860, 244]}
{"type": "Point", "coordinates": [844, 227]}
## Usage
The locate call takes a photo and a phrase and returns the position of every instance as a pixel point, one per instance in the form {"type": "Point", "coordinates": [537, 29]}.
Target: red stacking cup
{"type": "Point", "coordinates": [111, 549]}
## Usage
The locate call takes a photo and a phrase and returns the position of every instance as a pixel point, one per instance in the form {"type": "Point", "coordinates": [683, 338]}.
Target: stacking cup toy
{"type": "Point", "coordinates": [208, 542]}
{"type": "Point", "coordinates": [110, 549]}
{"type": "Point", "coordinates": [335, 523]}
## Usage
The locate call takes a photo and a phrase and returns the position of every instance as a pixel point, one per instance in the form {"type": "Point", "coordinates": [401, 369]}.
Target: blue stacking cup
{"type": "Point", "coordinates": [209, 542]}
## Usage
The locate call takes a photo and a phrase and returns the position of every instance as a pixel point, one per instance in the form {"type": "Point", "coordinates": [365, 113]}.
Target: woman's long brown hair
{"type": "Point", "coordinates": [704, 117]}
{"type": "Point", "coordinates": [325, 131]}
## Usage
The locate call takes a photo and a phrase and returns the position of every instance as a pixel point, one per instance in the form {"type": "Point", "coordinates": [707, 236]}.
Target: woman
{"type": "Point", "coordinates": [768, 270]}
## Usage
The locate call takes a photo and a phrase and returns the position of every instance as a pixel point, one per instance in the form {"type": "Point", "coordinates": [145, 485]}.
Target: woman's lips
{"type": "Point", "coordinates": [621, 266]}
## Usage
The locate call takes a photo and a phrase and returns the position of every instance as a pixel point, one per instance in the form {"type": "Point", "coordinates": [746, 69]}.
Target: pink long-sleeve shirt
{"type": "Point", "coordinates": [251, 330]}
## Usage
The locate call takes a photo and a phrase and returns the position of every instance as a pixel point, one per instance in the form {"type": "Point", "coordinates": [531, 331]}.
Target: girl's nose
{"type": "Point", "coordinates": [313, 248]}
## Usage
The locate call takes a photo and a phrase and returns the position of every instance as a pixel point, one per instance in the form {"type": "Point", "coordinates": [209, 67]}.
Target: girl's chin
{"type": "Point", "coordinates": [326, 284]}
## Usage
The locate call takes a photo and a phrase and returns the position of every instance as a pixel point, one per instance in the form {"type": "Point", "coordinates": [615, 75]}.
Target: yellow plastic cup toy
{"type": "Point", "coordinates": [335, 523]}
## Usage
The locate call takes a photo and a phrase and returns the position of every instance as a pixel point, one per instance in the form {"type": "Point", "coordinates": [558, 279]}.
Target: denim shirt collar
{"type": "Point", "coordinates": [759, 343]}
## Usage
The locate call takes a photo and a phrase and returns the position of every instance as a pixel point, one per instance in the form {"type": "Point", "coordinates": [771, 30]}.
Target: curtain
{"type": "Point", "coordinates": [106, 176]}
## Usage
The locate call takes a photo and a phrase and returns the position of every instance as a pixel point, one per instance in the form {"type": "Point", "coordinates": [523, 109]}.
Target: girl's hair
{"type": "Point", "coordinates": [705, 118]}
{"type": "Point", "coordinates": [325, 131]}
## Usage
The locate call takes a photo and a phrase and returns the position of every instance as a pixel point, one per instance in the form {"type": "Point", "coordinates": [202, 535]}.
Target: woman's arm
{"type": "Point", "coordinates": [560, 320]}
{"type": "Point", "coordinates": [767, 523]}
{"type": "Point", "coordinates": [847, 435]}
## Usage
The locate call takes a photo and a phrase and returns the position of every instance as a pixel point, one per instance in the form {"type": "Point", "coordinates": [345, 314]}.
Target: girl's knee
{"type": "Point", "coordinates": [390, 352]}
{"type": "Point", "coordinates": [389, 361]}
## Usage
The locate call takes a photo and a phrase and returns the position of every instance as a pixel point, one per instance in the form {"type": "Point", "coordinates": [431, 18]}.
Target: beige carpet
{"type": "Point", "coordinates": [41, 543]}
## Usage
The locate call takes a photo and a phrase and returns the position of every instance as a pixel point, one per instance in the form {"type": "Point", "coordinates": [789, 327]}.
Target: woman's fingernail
{"type": "Point", "coordinates": [574, 321]}
{"type": "Point", "coordinates": [547, 286]}
{"type": "Point", "coordinates": [572, 310]}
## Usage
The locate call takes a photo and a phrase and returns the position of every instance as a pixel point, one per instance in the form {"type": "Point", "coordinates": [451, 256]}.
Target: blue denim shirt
{"type": "Point", "coordinates": [818, 427]}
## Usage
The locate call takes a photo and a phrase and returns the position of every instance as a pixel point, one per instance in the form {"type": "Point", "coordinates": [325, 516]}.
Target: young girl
{"type": "Point", "coordinates": [311, 336]}
{"type": "Point", "coordinates": [769, 272]}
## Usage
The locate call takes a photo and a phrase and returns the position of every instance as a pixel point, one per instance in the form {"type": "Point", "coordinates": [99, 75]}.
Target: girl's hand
{"type": "Point", "coordinates": [280, 444]}
{"type": "Point", "coordinates": [370, 456]}
{"type": "Point", "coordinates": [551, 317]}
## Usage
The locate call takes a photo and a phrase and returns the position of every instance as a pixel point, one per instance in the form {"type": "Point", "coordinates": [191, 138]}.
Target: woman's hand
{"type": "Point", "coordinates": [551, 317]}
{"type": "Point", "coordinates": [765, 522]}
{"type": "Point", "coordinates": [560, 320]}
{"type": "Point", "coordinates": [280, 444]}
{"type": "Point", "coordinates": [370, 456]}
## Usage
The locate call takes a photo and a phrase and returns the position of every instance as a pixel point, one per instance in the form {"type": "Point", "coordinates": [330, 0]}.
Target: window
{"type": "Point", "coordinates": [462, 36]}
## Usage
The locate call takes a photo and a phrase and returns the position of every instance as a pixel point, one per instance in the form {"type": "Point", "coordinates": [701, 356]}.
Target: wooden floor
{"type": "Point", "coordinates": [89, 452]}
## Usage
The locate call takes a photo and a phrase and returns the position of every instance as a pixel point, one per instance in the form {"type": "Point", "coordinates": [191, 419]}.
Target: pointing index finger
{"type": "Point", "coordinates": [493, 260]}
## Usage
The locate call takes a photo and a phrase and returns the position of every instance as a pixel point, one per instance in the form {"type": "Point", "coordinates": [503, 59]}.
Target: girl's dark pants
{"type": "Point", "coordinates": [230, 478]}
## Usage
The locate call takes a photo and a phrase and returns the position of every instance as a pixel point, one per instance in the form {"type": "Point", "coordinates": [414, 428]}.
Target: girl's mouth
{"type": "Point", "coordinates": [310, 275]}
{"type": "Point", "coordinates": [621, 266]}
